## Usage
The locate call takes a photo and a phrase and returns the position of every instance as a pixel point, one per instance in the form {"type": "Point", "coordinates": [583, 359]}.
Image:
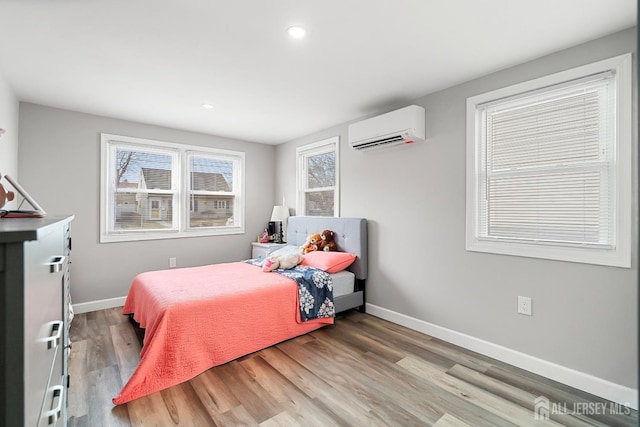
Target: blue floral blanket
{"type": "Point", "coordinates": [315, 289]}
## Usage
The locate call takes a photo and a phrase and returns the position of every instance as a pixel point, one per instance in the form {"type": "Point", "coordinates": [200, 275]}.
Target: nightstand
{"type": "Point", "coordinates": [262, 250]}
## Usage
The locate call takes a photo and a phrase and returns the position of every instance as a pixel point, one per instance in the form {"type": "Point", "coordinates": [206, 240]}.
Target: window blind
{"type": "Point", "coordinates": [547, 161]}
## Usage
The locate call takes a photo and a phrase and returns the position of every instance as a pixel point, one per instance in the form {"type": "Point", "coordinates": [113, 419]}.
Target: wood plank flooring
{"type": "Point", "coordinates": [360, 371]}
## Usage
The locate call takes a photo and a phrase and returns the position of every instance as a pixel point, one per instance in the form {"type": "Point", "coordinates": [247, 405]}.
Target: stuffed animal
{"type": "Point", "coordinates": [281, 261]}
{"type": "Point", "coordinates": [313, 243]}
{"type": "Point", "coordinates": [327, 243]}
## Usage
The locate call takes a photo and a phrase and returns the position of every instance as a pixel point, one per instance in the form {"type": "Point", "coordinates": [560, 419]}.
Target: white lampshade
{"type": "Point", "coordinates": [280, 213]}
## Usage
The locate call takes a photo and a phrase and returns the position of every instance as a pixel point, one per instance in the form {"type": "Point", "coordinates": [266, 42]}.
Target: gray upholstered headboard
{"type": "Point", "coordinates": [350, 235]}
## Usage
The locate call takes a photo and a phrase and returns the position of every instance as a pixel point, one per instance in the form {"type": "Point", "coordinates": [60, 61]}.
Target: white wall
{"type": "Point", "coordinates": [584, 316]}
{"type": "Point", "coordinates": [8, 141]}
{"type": "Point", "coordinates": [59, 161]}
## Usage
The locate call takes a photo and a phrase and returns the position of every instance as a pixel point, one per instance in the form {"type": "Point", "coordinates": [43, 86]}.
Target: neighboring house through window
{"type": "Point", "coordinates": [317, 178]}
{"type": "Point", "coordinates": [153, 189]}
{"type": "Point", "coordinates": [549, 166]}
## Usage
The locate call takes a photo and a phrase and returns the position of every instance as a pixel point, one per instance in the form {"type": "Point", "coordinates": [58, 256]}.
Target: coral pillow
{"type": "Point", "coordinates": [331, 262]}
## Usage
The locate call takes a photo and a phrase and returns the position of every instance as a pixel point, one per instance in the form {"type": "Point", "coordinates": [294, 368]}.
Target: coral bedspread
{"type": "Point", "coordinates": [200, 317]}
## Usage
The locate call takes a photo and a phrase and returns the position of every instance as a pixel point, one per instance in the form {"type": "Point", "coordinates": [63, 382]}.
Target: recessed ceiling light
{"type": "Point", "coordinates": [296, 32]}
{"type": "Point", "coordinates": [207, 106]}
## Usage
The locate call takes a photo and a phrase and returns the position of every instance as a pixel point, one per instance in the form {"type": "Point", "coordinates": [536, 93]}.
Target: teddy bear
{"type": "Point", "coordinates": [281, 261]}
{"type": "Point", "coordinates": [327, 243]}
{"type": "Point", "coordinates": [313, 243]}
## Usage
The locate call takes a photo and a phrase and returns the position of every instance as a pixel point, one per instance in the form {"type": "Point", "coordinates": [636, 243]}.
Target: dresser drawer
{"type": "Point", "coordinates": [54, 404]}
{"type": "Point", "coordinates": [53, 411]}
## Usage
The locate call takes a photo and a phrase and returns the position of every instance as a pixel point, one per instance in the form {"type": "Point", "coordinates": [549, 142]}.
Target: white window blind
{"type": "Point", "coordinates": [548, 165]}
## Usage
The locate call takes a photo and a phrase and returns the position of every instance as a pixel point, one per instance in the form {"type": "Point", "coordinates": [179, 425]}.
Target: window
{"type": "Point", "coordinates": [549, 169]}
{"type": "Point", "coordinates": [318, 178]}
{"type": "Point", "coordinates": [155, 190]}
{"type": "Point", "coordinates": [211, 189]}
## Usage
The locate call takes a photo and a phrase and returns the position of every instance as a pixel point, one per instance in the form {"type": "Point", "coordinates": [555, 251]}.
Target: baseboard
{"type": "Point", "coordinates": [606, 389]}
{"type": "Point", "coordinates": [85, 307]}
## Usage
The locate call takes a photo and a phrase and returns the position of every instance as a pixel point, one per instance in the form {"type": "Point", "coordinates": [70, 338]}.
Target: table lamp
{"type": "Point", "coordinates": [279, 216]}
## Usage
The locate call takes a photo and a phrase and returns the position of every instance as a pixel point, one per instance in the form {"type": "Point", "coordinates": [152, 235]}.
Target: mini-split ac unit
{"type": "Point", "coordinates": [402, 126]}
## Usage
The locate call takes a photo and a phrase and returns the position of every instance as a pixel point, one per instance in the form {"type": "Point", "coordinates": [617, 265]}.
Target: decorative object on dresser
{"type": "Point", "coordinates": [5, 196]}
{"type": "Point", "coordinates": [35, 310]}
{"type": "Point", "coordinates": [35, 212]}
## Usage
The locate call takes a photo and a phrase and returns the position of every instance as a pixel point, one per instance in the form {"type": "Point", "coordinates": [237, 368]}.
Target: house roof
{"type": "Point", "coordinates": [155, 179]}
{"type": "Point", "coordinates": [209, 181]}
{"type": "Point", "coordinates": [160, 179]}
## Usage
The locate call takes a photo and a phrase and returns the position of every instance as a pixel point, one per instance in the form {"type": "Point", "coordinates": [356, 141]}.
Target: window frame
{"type": "Point", "coordinates": [302, 153]}
{"type": "Point", "coordinates": [109, 144]}
{"type": "Point", "coordinates": [620, 254]}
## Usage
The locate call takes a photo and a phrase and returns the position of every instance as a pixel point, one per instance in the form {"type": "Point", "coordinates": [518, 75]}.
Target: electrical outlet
{"type": "Point", "coordinates": [172, 262]}
{"type": "Point", "coordinates": [524, 305]}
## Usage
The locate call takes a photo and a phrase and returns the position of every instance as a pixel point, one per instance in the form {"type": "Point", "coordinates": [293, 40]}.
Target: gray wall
{"type": "Point", "coordinates": [9, 141]}
{"type": "Point", "coordinates": [584, 316]}
{"type": "Point", "coordinates": [59, 160]}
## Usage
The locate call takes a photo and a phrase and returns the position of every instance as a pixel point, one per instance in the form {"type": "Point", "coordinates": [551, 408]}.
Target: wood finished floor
{"type": "Point", "coordinates": [362, 371]}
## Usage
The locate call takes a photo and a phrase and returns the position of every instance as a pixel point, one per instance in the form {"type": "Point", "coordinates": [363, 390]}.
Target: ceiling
{"type": "Point", "coordinates": [158, 61]}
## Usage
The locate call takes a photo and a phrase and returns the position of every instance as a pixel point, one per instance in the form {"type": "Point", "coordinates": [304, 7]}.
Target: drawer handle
{"type": "Point", "coordinates": [54, 414]}
{"type": "Point", "coordinates": [56, 333]}
{"type": "Point", "coordinates": [55, 266]}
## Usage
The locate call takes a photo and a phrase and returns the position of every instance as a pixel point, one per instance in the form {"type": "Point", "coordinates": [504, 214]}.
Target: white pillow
{"type": "Point", "coordinates": [286, 250]}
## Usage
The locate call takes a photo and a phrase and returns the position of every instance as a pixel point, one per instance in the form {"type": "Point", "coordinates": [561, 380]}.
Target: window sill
{"type": "Point", "coordinates": [585, 255]}
{"type": "Point", "coordinates": [133, 237]}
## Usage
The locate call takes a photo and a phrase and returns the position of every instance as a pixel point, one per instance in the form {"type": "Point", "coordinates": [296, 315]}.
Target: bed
{"type": "Point", "coordinates": [199, 317]}
{"type": "Point", "coordinates": [350, 236]}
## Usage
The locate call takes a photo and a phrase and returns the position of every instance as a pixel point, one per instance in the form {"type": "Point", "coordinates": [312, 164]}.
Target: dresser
{"type": "Point", "coordinates": [34, 307]}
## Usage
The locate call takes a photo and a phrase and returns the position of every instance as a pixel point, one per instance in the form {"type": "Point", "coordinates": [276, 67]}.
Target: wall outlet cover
{"type": "Point", "coordinates": [524, 305]}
